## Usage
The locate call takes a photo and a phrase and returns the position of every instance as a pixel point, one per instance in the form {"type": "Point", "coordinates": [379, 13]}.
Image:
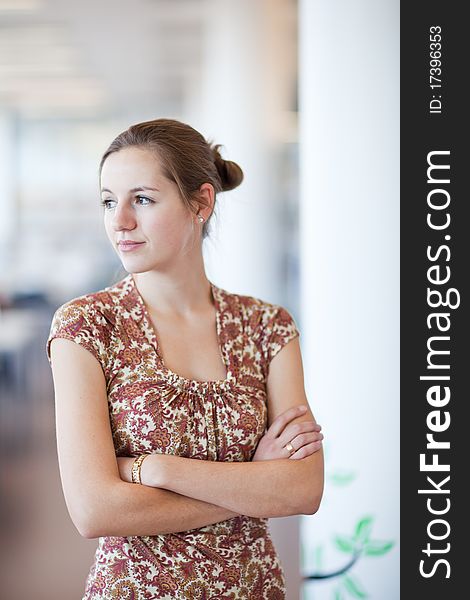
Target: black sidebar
{"type": "Point", "coordinates": [434, 294]}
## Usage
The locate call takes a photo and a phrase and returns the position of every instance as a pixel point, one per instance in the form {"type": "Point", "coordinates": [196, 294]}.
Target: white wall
{"type": "Point", "coordinates": [349, 218]}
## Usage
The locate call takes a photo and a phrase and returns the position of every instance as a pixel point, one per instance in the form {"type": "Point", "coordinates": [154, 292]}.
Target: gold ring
{"type": "Point", "coordinates": [290, 448]}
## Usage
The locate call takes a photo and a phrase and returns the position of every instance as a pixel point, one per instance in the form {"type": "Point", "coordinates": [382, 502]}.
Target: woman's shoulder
{"type": "Point", "coordinates": [89, 319]}
{"type": "Point", "coordinates": [268, 324]}
{"type": "Point", "coordinates": [260, 313]}
{"type": "Point", "coordinates": [103, 302]}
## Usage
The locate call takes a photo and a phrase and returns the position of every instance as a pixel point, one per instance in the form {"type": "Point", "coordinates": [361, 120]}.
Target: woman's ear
{"type": "Point", "coordinates": [206, 199]}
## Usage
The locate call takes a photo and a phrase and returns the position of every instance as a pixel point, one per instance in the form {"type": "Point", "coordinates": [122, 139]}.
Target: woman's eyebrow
{"type": "Point", "coordinates": [141, 188]}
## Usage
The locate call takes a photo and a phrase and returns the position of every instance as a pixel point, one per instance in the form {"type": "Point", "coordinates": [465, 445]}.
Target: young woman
{"type": "Point", "coordinates": [194, 393]}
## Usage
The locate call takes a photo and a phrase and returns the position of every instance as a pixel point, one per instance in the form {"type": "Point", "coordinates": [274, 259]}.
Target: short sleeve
{"type": "Point", "coordinates": [278, 328]}
{"type": "Point", "coordinates": [74, 321]}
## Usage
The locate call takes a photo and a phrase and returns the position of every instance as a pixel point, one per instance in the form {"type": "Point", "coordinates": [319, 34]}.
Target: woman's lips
{"type": "Point", "coordinates": [129, 246]}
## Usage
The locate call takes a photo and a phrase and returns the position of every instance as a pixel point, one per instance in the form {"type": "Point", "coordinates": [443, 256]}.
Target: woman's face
{"type": "Point", "coordinates": [156, 218]}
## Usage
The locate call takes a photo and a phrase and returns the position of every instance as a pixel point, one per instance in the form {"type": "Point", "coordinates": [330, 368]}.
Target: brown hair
{"type": "Point", "coordinates": [187, 158]}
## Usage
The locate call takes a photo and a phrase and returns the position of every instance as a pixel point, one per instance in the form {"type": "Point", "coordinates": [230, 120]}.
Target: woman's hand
{"type": "Point", "coordinates": [305, 437]}
{"type": "Point", "coordinates": [125, 466]}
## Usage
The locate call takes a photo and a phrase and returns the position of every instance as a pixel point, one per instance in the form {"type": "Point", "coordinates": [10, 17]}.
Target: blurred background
{"type": "Point", "coordinates": [304, 95]}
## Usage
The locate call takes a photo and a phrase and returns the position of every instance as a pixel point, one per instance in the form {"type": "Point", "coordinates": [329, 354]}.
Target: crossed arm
{"type": "Point", "coordinates": [178, 493]}
{"type": "Point", "coordinates": [272, 488]}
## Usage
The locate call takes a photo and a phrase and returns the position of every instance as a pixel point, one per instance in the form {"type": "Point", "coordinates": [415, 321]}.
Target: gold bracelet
{"type": "Point", "coordinates": [136, 465]}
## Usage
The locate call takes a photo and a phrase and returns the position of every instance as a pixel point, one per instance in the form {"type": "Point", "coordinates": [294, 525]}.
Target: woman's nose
{"type": "Point", "coordinates": [123, 216]}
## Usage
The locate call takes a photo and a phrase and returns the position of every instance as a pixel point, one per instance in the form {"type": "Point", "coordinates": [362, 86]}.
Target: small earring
{"type": "Point", "coordinates": [201, 219]}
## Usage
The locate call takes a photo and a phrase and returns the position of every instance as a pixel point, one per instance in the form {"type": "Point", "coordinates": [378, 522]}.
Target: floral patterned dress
{"type": "Point", "coordinates": [154, 410]}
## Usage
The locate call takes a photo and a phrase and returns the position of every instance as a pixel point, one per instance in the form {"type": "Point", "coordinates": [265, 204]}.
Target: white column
{"type": "Point", "coordinates": [349, 219]}
{"type": "Point", "coordinates": [8, 199]}
{"type": "Point", "coordinates": [239, 102]}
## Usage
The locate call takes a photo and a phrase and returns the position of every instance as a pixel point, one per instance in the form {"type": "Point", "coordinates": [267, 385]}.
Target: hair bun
{"type": "Point", "coordinates": [230, 173]}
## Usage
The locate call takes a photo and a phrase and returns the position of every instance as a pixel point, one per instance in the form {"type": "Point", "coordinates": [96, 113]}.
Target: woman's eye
{"type": "Point", "coordinates": [107, 200]}
{"type": "Point", "coordinates": [145, 198]}
{"type": "Point", "coordinates": [105, 203]}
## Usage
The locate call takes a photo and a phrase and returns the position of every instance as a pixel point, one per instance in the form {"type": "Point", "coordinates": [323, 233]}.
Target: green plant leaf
{"type": "Point", "coordinates": [342, 477]}
{"type": "Point", "coordinates": [338, 594]}
{"type": "Point", "coordinates": [363, 529]}
{"type": "Point", "coordinates": [354, 587]}
{"type": "Point", "coordinates": [377, 548]}
{"type": "Point", "coordinates": [345, 544]}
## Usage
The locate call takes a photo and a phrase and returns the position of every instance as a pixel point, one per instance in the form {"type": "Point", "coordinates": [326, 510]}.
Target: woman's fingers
{"type": "Point", "coordinates": [304, 440]}
{"type": "Point", "coordinates": [307, 450]}
{"type": "Point", "coordinates": [280, 422]}
{"type": "Point", "coordinates": [294, 429]}
{"type": "Point", "coordinates": [305, 437]}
